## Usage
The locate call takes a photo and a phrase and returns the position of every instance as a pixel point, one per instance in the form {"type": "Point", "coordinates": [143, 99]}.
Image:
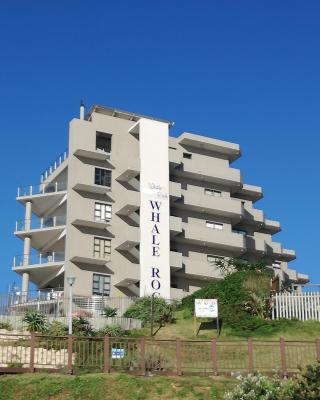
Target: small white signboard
{"type": "Point", "coordinates": [206, 308]}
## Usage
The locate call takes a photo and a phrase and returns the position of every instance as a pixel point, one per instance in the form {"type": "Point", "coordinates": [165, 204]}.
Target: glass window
{"type": "Point", "coordinates": [102, 212]}
{"type": "Point", "coordinates": [102, 248]}
{"type": "Point", "coordinates": [103, 142]}
{"type": "Point", "coordinates": [187, 155]}
{"type": "Point", "coordinates": [214, 225]}
{"type": "Point", "coordinates": [239, 231]}
{"type": "Point", "coordinates": [101, 285]}
{"type": "Point", "coordinates": [213, 192]}
{"type": "Point", "coordinates": [102, 177]}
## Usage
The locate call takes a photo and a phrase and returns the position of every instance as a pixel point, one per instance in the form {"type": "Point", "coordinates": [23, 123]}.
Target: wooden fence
{"type": "Point", "coordinates": [30, 353]}
{"type": "Point", "coordinates": [304, 306]}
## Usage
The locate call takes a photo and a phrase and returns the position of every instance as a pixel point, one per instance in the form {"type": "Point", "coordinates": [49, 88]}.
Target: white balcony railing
{"type": "Point", "coordinates": [42, 223]}
{"type": "Point", "coordinates": [38, 259]}
{"type": "Point", "coordinates": [55, 164]}
{"type": "Point", "coordinates": [43, 188]}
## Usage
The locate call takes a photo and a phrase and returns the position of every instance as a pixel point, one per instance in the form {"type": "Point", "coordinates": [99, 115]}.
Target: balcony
{"type": "Point", "coordinates": [255, 245]}
{"type": "Point", "coordinates": [229, 177]}
{"type": "Point", "coordinates": [253, 216]}
{"type": "Point", "coordinates": [198, 267]}
{"type": "Point", "coordinates": [274, 249]}
{"type": "Point", "coordinates": [271, 227]}
{"type": "Point", "coordinates": [195, 199]}
{"type": "Point", "coordinates": [42, 267]}
{"type": "Point", "coordinates": [288, 255]}
{"type": "Point", "coordinates": [175, 260]}
{"type": "Point", "coordinates": [174, 158]}
{"type": "Point", "coordinates": [174, 190]}
{"type": "Point", "coordinates": [42, 231]}
{"type": "Point", "coordinates": [213, 238]}
{"type": "Point", "coordinates": [43, 196]}
{"type": "Point", "coordinates": [131, 171]}
{"type": "Point", "coordinates": [42, 189]}
{"type": "Point", "coordinates": [54, 166]}
{"type": "Point", "coordinates": [175, 225]}
{"type": "Point", "coordinates": [249, 192]}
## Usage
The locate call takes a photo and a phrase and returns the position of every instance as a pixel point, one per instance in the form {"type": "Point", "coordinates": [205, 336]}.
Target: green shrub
{"type": "Point", "coordinates": [235, 299]}
{"type": "Point", "coordinates": [113, 331]}
{"type": "Point", "coordinates": [258, 387]}
{"type": "Point", "coordinates": [109, 312]}
{"type": "Point", "coordinates": [6, 325]}
{"type": "Point", "coordinates": [36, 321]}
{"type": "Point", "coordinates": [141, 309]}
{"type": "Point", "coordinates": [307, 385]}
{"type": "Point", "coordinates": [57, 328]}
{"type": "Point", "coordinates": [81, 327]}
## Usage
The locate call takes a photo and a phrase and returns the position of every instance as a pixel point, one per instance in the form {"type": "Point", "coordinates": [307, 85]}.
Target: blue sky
{"type": "Point", "coordinates": [243, 71]}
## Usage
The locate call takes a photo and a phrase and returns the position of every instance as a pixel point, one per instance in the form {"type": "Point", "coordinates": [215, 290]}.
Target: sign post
{"type": "Point", "coordinates": [205, 308]}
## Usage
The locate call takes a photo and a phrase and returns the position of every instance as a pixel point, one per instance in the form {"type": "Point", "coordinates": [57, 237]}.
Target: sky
{"type": "Point", "coordinates": [241, 71]}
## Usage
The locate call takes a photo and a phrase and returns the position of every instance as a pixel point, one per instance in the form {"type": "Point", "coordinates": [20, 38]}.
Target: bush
{"type": "Point", "coordinates": [81, 327]}
{"type": "Point", "coordinates": [57, 328]}
{"type": "Point", "coordinates": [307, 385]}
{"type": "Point", "coordinates": [109, 312]}
{"type": "Point", "coordinates": [112, 331]}
{"type": "Point", "coordinates": [36, 322]}
{"type": "Point", "coordinates": [141, 309]}
{"type": "Point", "coordinates": [6, 325]}
{"type": "Point", "coordinates": [258, 387]}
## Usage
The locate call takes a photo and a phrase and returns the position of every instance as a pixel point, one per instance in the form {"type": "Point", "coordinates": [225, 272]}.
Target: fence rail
{"type": "Point", "coordinates": [304, 306]}
{"type": "Point", "coordinates": [141, 356]}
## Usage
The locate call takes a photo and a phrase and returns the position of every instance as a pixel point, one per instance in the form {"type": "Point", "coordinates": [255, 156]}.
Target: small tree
{"type": "Point", "coordinates": [141, 309]}
{"type": "Point", "coordinates": [36, 321]}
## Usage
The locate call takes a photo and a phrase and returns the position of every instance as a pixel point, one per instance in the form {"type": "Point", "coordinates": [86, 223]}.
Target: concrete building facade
{"type": "Point", "coordinates": [130, 210]}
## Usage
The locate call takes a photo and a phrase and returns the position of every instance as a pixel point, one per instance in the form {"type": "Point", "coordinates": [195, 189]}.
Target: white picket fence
{"type": "Point", "coordinates": [304, 306]}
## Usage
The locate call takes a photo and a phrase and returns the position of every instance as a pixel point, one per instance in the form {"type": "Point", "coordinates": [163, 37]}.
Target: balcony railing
{"type": "Point", "coordinates": [43, 188]}
{"type": "Point", "coordinates": [39, 258]}
{"type": "Point", "coordinates": [42, 223]}
{"type": "Point", "coordinates": [55, 164]}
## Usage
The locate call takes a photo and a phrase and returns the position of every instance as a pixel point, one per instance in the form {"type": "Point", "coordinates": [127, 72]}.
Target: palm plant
{"type": "Point", "coordinates": [36, 321]}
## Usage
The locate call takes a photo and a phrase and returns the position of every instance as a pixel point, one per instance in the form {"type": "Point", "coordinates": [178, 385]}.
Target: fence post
{"type": "Point", "coordinates": [142, 356]}
{"type": "Point", "coordinates": [283, 357]}
{"type": "Point", "coordinates": [214, 356]}
{"type": "Point", "coordinates": [318, 348]}
{"type": "Point", "coordinates": [106, 349]}
{"type": "Point", "coordinates": [70, 346]}
{"type": "Point", "coordinates": [250, 354]}
{"type": "Point", "coordinates": [178, 356]}
{"type": "Point", "coordinates": [32, 349]}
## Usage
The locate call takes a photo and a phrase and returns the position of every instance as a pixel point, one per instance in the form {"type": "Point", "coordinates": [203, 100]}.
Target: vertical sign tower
{"type": "Point", "coordinates": [154, 208]}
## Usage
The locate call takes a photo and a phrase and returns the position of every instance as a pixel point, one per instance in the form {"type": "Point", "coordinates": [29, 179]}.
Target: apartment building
{"type": "Point", "coordinates": [129, 210]}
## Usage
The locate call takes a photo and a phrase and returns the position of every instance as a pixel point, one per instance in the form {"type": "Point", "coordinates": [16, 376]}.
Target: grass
{"type": "Point", "coordinates": [289, 329]}
{"type": "Point", "coordinates": [113, 387]}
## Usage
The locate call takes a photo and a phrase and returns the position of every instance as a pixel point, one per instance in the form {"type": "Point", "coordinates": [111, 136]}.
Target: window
{"type": "Point", "coordinates": [101, 285]}
{"type": "Point", "coordinates": [239, 232]}
{"type": "Point", "coordinates": [102, 248]}
{"type": "Point", "coordinates": [213, 192]}
{"type": "Point", "coordinates": [214, 225]}
{"type": "Point", "coordinates": [187, 155]}
{"type": "Point", "coordinates": [213, 259]}
{"type": "Point", "coordinates": [103, 142]}
{"type": "Point", "coordinates": [102, 177]}
{"type": "Point", "coordinates": [102, 212]}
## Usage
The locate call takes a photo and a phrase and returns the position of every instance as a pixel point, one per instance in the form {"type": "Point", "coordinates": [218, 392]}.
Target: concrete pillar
{"type": "Point", "coordinates": [28, 214]}
{"type": "Point", "coordinates": [25, 283]}
{"type": "Point", "coordinates": [25, 275]}
{"type": "Point", "coordinates": [26, 250]}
